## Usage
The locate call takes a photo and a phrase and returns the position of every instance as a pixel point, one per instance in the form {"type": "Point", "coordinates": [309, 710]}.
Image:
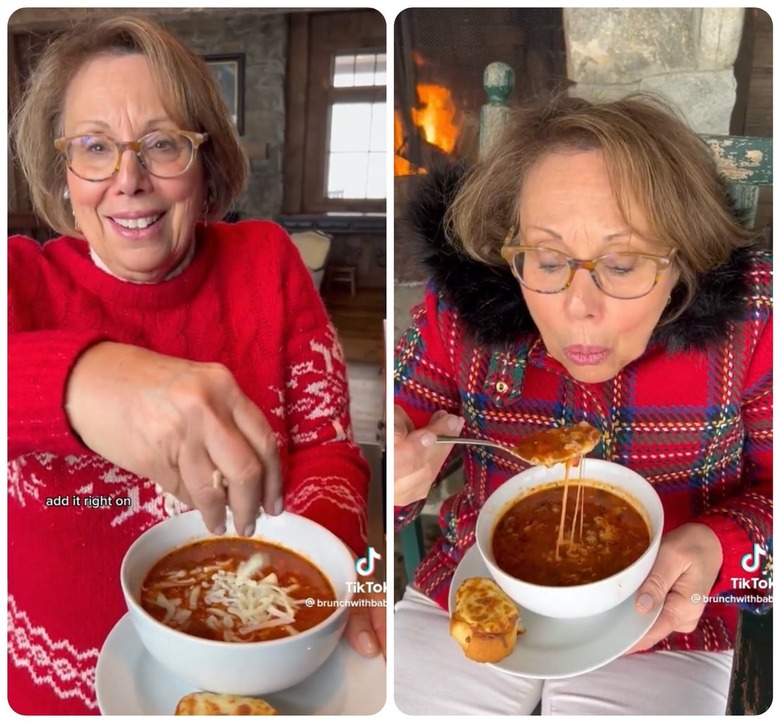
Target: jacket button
{"type": "Point", "coordinates": [502, 387]}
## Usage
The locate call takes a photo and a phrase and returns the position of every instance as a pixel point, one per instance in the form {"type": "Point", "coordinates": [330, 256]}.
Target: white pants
{"type": "Point", "coordinates": [433, 677]}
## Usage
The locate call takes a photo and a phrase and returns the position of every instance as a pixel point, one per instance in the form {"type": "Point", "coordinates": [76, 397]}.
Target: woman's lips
{"type": "Point", "coordinates": [136, 227]}
{"type": "Point", "coordinates": [586, 355]}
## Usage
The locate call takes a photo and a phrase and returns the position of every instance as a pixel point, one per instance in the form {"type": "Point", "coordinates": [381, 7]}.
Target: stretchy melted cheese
{"type": "Point", "coordinates": [550, 446]}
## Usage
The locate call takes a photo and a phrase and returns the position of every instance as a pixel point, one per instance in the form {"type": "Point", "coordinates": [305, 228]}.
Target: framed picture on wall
{"type": "Point", "coordinates": [229, 72]}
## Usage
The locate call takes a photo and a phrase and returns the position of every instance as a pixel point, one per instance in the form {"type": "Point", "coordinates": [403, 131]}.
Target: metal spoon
{"type": "Point", "coordinates": [444, 439]}
{"type": "Point", "coordinates": [548, 447]}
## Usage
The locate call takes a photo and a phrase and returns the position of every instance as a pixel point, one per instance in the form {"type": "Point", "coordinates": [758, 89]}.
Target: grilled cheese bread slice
{"type": "Point", "coordinates": [203, 703]}
{"type": "Point", "coordinates": [485, 621]}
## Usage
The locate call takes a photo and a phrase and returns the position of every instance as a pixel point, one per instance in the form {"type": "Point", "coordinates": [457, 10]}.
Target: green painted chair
{"type": "Point", "coordinates": [747, 163]}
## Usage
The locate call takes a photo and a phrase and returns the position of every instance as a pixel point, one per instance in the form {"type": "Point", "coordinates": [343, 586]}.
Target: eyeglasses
{"type": "Point", "coordinates": [623, 275]}
{"type": "Point", "coordinates": [163, 153]}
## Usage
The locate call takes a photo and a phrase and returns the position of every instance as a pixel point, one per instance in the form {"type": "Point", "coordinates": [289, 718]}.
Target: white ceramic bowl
{"type": "Point", "coordinates": [574, 601]}
{"type": "Point", "coordinates": [241, 668]}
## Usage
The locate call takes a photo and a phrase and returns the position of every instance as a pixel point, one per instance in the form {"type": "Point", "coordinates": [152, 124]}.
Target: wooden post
{"type": "Point", "coordinates": [498, 81]}
{"type": "Point", "coordinates": [750, 692]}
{"type": "Point", "coordinates": [747, 164]}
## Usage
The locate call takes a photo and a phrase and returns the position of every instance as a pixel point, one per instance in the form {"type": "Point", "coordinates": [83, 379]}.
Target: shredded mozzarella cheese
{"type": "Point", "coordinates": [238, 603]}
{"type": "Point", "coordinates": [256, 603]}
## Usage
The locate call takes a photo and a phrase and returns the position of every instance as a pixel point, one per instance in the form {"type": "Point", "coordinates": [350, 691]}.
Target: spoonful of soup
{"type": "Point", "coordinates": [547, 447]}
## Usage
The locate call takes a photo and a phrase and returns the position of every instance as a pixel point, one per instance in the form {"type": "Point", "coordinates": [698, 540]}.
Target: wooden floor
{"type": "Point", "coordinates": [367, 402]}
{"type": "Point", "coordinates": [359, 322]}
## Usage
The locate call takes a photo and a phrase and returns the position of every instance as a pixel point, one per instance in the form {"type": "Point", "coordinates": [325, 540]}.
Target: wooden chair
{"type": "Point", "coordinates": [342, 276]}
{"type": "Point", "coordinates": [747, 164]}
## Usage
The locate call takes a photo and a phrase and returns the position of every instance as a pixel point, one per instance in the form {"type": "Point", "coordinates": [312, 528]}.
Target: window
{"type": "Point", "coordinates": [353, 71]}
{"type": "Point", "coordinates": [355, 156]}
{"type": "Point", "coordinates": [335, 146]}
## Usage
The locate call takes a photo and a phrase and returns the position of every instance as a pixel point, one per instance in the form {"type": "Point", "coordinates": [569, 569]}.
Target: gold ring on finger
{"type": "Point", "coordinates": [218, 481]}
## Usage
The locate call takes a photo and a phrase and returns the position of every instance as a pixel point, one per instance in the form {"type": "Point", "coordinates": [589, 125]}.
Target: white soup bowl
{"type": "Point", "coordinates": [574, 601]}
{"type": "Point", "coordinates": [235, 667]}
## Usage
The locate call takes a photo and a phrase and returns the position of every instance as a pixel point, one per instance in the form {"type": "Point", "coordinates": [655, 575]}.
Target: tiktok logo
{"type": "Point", "coordinates": [752, 560]}
{"type": "Point", "coordinates": [365, 565]}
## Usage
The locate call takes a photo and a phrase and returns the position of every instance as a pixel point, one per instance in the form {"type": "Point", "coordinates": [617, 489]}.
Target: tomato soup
{"type": "Point", "coordinates": [237, 590]}
{"type": "Point", "coordinates": [608, 536]}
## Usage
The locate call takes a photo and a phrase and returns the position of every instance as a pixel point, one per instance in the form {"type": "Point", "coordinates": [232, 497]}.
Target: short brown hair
{"type": "Point", "coordinates": [188, 91]}
{"type": "Point", "coordinates": [650, 153]}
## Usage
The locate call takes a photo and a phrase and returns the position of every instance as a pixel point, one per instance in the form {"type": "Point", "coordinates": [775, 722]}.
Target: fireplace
{"type": "Point", "coordinates": [440, 58]}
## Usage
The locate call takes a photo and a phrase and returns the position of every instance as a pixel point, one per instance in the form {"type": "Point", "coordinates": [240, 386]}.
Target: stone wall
{"type": "Point", "coordinates": [366, 252]}
{"type": "Point", "coordinates": [684, 54]}
{"type": "Point", "coordinates": [263, 40]}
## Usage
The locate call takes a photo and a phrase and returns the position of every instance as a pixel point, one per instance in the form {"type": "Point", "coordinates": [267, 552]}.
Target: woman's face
{"type": "Point", "coordinates": [567, 204]}
{"type": "Point", "coordinates": [115, 95]}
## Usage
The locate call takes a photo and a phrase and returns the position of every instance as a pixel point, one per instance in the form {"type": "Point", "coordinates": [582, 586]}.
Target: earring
{"type": "Point", "coordinates": [66, 196]}
{"type": "Point", "coordinates": [669, 300]}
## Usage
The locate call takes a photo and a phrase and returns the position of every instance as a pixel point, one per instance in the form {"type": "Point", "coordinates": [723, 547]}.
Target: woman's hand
{"type": "Point", "coordinates": [687, 565]}
{"type": "Point", "coordinates": [418, 458]}
{"type": "Point", "coordinates": [178, 423]}
{"type": "Point", "coordinates": [366, 629]}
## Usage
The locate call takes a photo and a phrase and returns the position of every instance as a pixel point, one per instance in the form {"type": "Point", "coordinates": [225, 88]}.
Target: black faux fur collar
{"type": "Point", "coordinates": [490, 303]}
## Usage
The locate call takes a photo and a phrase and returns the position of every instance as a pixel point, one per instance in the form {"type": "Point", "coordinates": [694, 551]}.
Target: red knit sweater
{"type": "Point", "coordinates": [246, 301]}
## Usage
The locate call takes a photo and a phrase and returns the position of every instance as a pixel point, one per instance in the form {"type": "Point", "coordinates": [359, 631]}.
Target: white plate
{"type": "Point", "coordinates": [562, 648]}
{"type": "Point", "coordinates": [128, 681]}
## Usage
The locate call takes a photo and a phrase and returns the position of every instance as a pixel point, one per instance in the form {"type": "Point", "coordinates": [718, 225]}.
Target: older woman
{"type": "Point", "coordinates": [591, 269]}
{"type": "Point", "coordinates": [152, 350]}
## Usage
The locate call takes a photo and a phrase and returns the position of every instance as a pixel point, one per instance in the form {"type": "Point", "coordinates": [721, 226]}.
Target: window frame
{"type": "Point", "coordinates": [333, 95]}
{"type": "Point", "coordinates": [315, 41]}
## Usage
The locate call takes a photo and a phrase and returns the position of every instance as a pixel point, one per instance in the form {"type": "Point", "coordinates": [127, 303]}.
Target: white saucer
{"type": "Point", "coordinates": [562, 648]}
{"type": "Point", "coordinates": [129, 681]}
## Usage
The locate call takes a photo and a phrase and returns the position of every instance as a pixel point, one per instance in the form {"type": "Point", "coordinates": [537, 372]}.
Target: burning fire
{"type": "Point", "coordinates": [436, 117]}
{"type": "Point", "coordinates": [401, 167]}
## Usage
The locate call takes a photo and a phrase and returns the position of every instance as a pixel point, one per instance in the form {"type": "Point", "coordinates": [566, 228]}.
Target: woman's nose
{"type": "Point", "coordinates": [583, 298]}
{"type": "Point", "coordinates": [131, 176]}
